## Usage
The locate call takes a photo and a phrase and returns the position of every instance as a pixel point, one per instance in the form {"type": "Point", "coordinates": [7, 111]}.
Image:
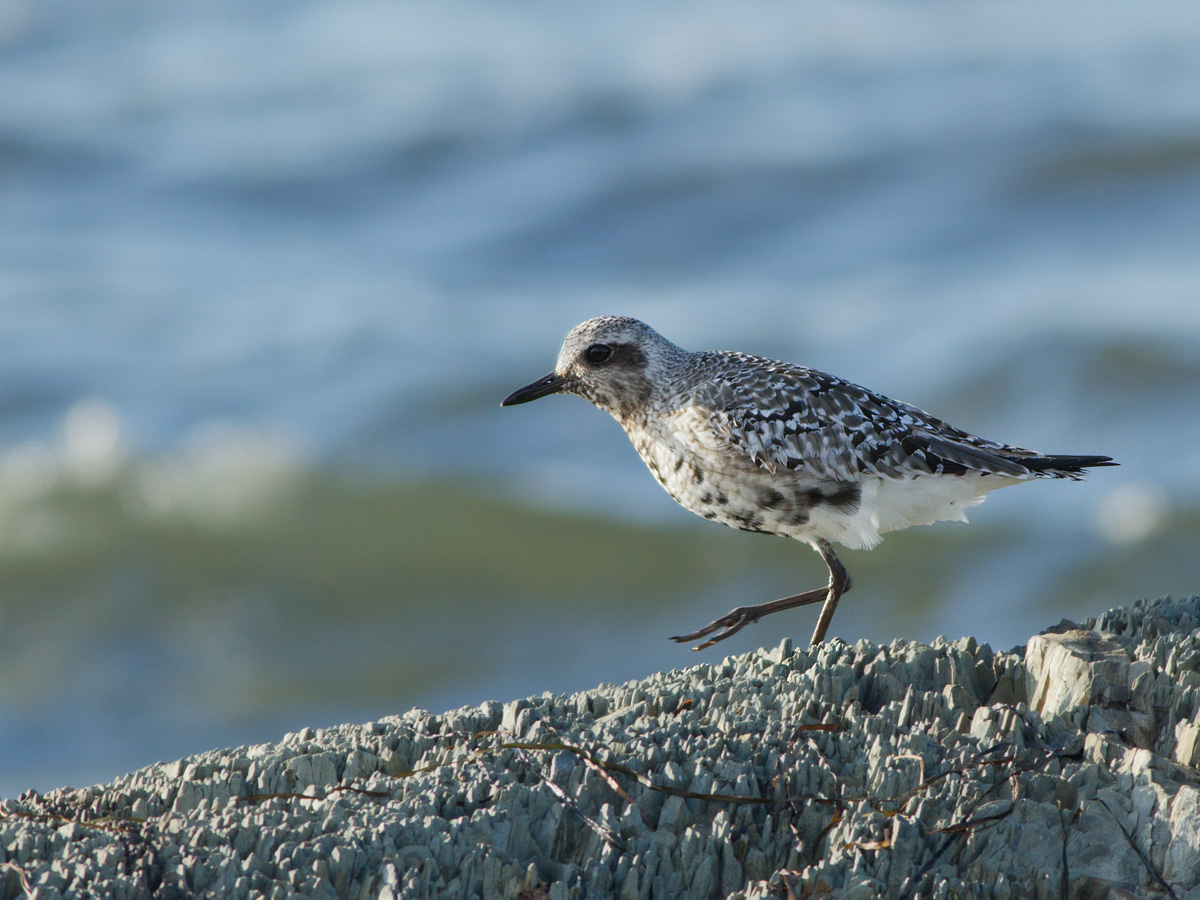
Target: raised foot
{"type": "Point", "coordinates": [733, 622]}
{"type": "Point", "coordinates": [737, 619]}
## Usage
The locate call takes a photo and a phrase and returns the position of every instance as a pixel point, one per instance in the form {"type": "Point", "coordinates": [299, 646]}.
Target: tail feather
{"type": "Point", "coordinates": [1062, 466]}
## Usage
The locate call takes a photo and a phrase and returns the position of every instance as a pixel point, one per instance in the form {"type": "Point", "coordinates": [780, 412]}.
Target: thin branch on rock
{"type": "Point", "coordinates": [25, 885]}
{"type": "Point", "coordinates": [606, 834]}
{"type": "Point", "coordinates": [294, 795]}
{"type": "Point", "coordinates": [1066, 871]}
{"type": "Point", "coordinates": [1146, 861]}
{"type": "Point", "coordinates": [616, 786]}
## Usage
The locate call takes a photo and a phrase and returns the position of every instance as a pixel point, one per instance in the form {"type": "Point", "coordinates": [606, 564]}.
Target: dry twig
{"type": "Point", "coordinates": [1155, 875]}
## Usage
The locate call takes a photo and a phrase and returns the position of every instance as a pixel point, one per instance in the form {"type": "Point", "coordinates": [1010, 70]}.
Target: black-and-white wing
{"type": "Point", "coordinates": [785, 416]}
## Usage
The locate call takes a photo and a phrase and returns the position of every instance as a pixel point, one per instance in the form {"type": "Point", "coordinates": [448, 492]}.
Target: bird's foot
{"type": "Point", "coordinates": [733, 622]}
{"type": "Point", "coordinates": [737, 619]}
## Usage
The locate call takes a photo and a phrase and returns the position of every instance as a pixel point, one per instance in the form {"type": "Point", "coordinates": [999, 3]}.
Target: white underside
{"type": "Point", "coordinates": [892, 504]}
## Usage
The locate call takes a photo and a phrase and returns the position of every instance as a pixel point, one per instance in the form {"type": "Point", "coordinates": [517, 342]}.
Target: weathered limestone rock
{"type": "Point", "coordinates": [1092, 678]}
{"type": "Point", "coordinates": [1075, 668]}
{"type": "Point", "coordinates": [943, 770]}
{"type": "Point", "coordinates": [1187, 744]}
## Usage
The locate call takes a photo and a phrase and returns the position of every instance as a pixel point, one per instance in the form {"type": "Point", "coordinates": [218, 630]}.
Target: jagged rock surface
{"type": "Point", "coordinates": [946, 770]}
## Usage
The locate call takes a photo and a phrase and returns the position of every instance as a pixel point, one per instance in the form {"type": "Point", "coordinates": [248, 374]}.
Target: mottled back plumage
{"type": "Point", "coordinates": [789, 416]}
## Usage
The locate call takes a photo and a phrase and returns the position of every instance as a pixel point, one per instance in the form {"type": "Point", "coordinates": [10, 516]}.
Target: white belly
{"type": "Point", "coordinates": [892, 504]}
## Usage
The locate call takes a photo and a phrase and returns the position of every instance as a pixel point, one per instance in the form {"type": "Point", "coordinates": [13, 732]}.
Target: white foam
{"type": "Point", "coordinates": [92, 450]}
{"type": "Point", "coordinates": [1133, 512]}
{"type": "Point", "coordinates": [221, 475]}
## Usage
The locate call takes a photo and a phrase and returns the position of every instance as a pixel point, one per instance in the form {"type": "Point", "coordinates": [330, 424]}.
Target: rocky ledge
{"type": "Point", "coordinates": [1066, 768]}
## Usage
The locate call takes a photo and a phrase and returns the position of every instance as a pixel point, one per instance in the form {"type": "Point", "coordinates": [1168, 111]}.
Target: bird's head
{"type": "Point", "coordinates": [613, 361]}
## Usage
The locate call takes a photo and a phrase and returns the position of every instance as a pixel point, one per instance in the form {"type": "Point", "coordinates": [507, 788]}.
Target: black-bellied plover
{"type": "Point", "coordinates": [776, 448]}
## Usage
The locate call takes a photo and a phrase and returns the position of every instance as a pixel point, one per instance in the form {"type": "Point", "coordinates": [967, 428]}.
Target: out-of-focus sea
{"type": "Point", "coordinates": [266, 271]}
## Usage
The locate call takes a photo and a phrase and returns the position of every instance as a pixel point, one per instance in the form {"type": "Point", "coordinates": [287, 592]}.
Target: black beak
{"type": "Point", "coordinates": [551, 384]}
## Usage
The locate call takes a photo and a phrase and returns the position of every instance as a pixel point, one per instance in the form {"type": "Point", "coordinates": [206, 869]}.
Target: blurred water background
{"type": "Point", "coordinates": [266, 271]}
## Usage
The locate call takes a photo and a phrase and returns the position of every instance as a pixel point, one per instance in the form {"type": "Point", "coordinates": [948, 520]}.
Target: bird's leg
{"type": "Point", "coordinates": [737, 619]}
{"type": "Point", "coordinates": [839, 583]}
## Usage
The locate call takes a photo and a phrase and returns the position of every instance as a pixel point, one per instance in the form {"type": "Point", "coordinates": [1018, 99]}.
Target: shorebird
{"type": "Point", "coordinates": [776, 448]}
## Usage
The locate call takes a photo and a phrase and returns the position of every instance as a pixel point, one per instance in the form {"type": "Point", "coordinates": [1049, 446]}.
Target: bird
{"type": "Point", "coordinates": [775, 448]}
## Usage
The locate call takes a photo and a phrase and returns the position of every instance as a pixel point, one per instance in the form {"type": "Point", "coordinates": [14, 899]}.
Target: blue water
{"type": "Point", "coordinates": [249, 248]}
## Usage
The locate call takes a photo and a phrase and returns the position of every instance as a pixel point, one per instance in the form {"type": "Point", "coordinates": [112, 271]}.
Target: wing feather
{"type": "Point", "coordinates": [785, 416]}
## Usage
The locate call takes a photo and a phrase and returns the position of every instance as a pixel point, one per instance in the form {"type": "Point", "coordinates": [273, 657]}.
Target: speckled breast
{"type": "Point", "coordinates": [724, 487]}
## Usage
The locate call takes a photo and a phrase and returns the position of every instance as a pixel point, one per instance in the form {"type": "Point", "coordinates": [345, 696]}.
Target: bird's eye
{"type": "Point", "coordinates": [599, 353]}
